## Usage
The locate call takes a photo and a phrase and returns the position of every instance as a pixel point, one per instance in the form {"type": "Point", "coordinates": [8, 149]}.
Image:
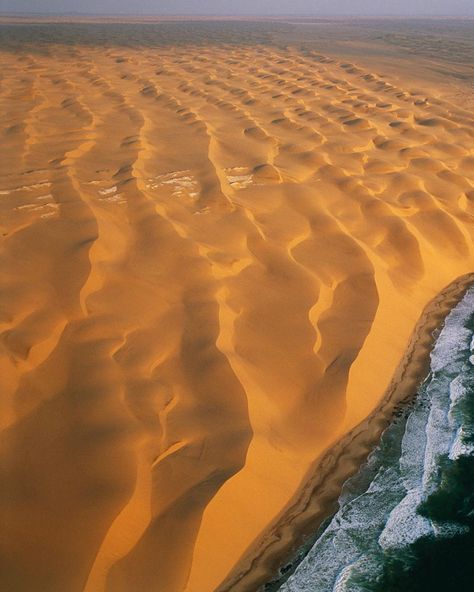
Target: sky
{"type": "Point", "coordinates": [248, 7]}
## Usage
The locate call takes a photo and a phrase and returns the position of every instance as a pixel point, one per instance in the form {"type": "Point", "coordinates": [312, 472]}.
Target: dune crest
{"type": "Point", "coordinates": [212, 261]}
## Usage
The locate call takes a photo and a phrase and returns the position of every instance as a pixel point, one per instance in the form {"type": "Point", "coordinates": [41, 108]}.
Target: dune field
{"type": "Point", "coordinates": [213, 258]}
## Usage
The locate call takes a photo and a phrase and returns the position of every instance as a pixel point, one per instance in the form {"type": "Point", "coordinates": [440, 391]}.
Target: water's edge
{"type": "Point", "coordinates": [378, 507]}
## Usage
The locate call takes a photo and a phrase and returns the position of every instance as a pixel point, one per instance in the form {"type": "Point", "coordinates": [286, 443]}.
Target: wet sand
{"type": "Point", "coordinates": [214, 255]}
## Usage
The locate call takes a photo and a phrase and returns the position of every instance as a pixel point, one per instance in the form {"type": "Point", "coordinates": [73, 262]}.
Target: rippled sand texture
{"type": "Point", "coordinates": [212, 261]}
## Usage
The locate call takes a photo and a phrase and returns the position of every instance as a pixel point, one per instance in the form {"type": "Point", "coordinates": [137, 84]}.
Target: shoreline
{"type": "Point", "coordinates": [317, 499]}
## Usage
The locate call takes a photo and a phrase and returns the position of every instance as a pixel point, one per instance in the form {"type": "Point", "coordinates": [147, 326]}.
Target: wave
{"type": "Point", "coordinates": [386, 510]}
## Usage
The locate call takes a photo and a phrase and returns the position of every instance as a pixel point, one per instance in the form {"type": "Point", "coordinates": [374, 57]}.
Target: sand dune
{"type": "Point", "coordinates": [212, 262]}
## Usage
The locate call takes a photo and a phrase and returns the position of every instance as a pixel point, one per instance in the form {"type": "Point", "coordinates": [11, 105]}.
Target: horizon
{"type": "Point", "coordinates": [245, 8]}
{"type": "Point", "coordinates": [237, 15]}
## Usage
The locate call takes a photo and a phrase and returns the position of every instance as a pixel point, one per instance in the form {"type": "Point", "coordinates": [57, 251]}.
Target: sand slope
{"type": "Point", "coordinates": [212, 262]}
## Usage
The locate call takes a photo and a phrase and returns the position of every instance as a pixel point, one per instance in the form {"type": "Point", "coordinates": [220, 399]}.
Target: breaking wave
{"type": "Point", "coordinates": [393, 515]}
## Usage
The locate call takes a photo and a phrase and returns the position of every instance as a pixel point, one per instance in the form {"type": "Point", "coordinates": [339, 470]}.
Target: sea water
{"type": "Point", "coordinates": [378, 506]}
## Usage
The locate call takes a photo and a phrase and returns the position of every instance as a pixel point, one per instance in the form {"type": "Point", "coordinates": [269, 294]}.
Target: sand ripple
{"type": "Point", "coordinates": [212, 262]}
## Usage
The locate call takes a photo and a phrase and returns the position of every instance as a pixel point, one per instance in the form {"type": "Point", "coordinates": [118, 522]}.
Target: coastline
{"type": "Point", "coordinates": [317, 499]}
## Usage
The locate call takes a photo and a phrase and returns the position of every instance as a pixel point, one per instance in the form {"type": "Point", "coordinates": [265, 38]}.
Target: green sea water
{"type": "Point", "coordinates": [406, 519]}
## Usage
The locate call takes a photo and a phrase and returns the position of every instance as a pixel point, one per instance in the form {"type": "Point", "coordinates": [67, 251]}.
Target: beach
{"type": "Point", "coordinates": [224, 254]}
{"type": "Point", "coordinates": [295, 531]}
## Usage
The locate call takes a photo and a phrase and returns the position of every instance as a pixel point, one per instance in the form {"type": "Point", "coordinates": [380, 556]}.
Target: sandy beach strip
{"type": "Point", "coordinates": [317, 499]}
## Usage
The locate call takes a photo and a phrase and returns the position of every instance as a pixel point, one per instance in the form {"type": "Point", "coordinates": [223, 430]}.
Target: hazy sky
{"type": "Point", "coordinates": [428, 7]}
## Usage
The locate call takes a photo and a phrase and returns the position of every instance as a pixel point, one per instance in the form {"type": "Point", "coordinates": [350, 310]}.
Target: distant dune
{"type": "Point", "coordinates": [213, 258]}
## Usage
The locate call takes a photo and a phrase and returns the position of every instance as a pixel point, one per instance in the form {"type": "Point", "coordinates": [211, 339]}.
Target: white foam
{"type": "Point", "coordinates": [342, 579]}
{"type": "Point", "coordinates": [439, 437]}
{"type": "Point", "coordinates": [413, 445]}
{"type": "Point", "coordinates": [446, 352]}
{"type": "Point", "coordinates": [404, 525]}
{"type": "Point", "coordinates": [454, 337]}
{"type": "Point", "coordinates": [459, 447]}
{"type": "Point", "coordinates": [385, 516]}
{"type": "Point", "coordinates": [364, 564]}
{"type": "Point", "coordinates": [457, 392]}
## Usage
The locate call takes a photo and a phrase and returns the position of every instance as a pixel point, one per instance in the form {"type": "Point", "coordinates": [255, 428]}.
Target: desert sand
{"type": "Point", "coordinates": [213, 260]}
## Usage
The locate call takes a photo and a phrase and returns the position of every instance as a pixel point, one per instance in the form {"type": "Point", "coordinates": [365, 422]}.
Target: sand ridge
{"type": "Point", "coordinates": [213, 259]}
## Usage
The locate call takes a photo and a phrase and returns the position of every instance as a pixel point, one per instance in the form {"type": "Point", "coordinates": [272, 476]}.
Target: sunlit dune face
{"type": "Point", "coordinates": [213, 258]}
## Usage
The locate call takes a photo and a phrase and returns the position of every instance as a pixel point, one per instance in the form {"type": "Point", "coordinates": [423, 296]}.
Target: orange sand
{"type": "Point", "coordinates": [213, 259]}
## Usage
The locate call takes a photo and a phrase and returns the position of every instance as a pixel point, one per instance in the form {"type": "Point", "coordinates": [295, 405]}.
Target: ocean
{"type": "Point", "coordinates": [411, 501]}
